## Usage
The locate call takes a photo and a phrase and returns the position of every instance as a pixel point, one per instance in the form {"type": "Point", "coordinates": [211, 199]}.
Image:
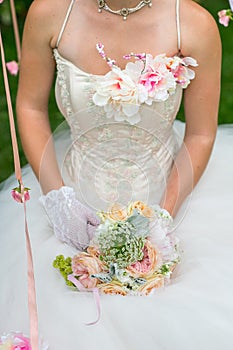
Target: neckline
{"type": "Point", "coordinates": [56, 52]}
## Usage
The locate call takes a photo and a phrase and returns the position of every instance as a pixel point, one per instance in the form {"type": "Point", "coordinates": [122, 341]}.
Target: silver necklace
{"type": "Point", "coordinates": [125, 11]}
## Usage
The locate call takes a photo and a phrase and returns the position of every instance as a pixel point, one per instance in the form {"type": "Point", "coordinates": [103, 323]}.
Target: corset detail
{"type": "Point", "coordinates": [109, 161]}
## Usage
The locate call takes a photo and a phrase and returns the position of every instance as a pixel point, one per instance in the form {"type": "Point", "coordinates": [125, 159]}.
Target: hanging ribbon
{"type": "Point", "coordinates": [95, 292]}
{"type": "Point", "coordinates": [31, 281]}
{"type": "Point", "coordinates": [16, 29]}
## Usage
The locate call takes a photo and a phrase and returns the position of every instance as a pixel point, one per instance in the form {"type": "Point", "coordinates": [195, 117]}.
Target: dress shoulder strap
{"type": "Point", "coordinates": [65, 22]}
{"type": "Point", "coordinates": [178, 26]}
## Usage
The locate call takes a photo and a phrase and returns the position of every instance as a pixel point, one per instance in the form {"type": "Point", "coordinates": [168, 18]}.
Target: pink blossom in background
{"type": "Point", "coordinates": [1, 1]}
{"type": "Point", "coordinates": [225, 16]}
{"type": "Point", "coordinates": [12, 67]}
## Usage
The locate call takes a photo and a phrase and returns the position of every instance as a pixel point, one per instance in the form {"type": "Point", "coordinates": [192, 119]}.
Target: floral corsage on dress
{"type": "Point", "coordinates": [133, 252]}
{"type": "Point", "coordinates": [149, 79]}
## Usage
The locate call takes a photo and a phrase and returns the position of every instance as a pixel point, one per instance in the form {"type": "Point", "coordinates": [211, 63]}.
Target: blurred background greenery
{"type": "Point", "coordinates": [6, 159]}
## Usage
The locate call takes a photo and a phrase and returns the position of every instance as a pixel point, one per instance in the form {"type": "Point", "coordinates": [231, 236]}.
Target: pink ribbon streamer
{"type": "Point", "coordinates": [16, 29]}
{"type": "Point", "coordinates": [95, 292]}
{"type": "Point", "coordinates": [32, 307]}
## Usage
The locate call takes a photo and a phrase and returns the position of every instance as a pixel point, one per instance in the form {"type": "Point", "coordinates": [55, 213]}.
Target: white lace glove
{"type": "Point", "coordinates": [73, 223]}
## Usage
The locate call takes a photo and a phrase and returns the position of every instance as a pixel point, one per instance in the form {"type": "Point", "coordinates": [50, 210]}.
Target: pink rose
{"type": "Point", "coordinates": [224, 17]}
{"type": "Point", "coordinates": [18, 196]}
{"type": "Point", "coordinates": [84, 265]}
{"type": "Point", "coordinates": [150, 262]}
{"type": "Point", "coordinates": [12, 67]}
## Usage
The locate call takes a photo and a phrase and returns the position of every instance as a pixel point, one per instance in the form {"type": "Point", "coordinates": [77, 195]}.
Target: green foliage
{"type": "Point", "coordinates": [6, 159]}
{"type": "Point", "coordinates": [120, 244]}
{"type": "Point", "coordinates": [64, 266]}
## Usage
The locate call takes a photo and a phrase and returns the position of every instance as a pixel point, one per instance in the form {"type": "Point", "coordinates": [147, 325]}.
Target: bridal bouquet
{"type": "Point", "coordinates": [132, 252]}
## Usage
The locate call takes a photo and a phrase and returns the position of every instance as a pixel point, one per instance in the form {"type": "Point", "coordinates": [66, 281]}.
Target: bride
{"type": "Point", "coordinates": [122, 145]}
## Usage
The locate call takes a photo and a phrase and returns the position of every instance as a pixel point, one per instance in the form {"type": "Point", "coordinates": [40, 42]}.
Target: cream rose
{"type": "Point", "coordinates": [116, 213]}
{"type": "Point", "coordinates": [147, 288]}
{"type": "Point", "coordinates": [112, 288]}
{"type": "Point", "coordinates": [144, 209]}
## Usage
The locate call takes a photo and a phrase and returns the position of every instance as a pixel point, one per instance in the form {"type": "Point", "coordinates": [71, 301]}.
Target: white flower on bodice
{"type": "Point", "coordinates": [149, 79]}
{"type": "Point", "coordinates": [120, 94]}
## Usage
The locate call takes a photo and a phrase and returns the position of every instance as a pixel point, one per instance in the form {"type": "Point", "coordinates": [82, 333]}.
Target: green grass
{"type": "Point", "coordinates": [6, 159]}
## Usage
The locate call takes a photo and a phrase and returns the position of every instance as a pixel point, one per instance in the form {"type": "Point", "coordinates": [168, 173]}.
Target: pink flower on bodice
{"type": "Point", "coordinates": [148, 79]}
{"type": "Point", "coordinates": [152, 79]}
{"type": "Point", "coordinates": [182, 74]}
{"type": "Point", "coordinates": [178, 67]}
{"type": "Point", "coordinates": [158, 80]}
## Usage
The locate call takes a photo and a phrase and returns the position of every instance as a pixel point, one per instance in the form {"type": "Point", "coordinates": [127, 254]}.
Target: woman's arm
{"type": "Point", "coordinates": [35, 81]}
{"type": "Point", "coordinates": [201, 101]}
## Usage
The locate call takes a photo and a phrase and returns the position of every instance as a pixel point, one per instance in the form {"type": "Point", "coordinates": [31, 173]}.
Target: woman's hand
{"type": "Point", "coordinates": [162, 223]}
{"type": "Point", "coordinates": [162, 233]}
{"type": "Point", "coordinates": [73, 223]}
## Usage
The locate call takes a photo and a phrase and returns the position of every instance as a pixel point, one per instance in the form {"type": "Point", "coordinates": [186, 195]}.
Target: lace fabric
{"type": "Point", "coordinates": [122, 161]}
{"type": "Point", "coordinates": [72, 222]}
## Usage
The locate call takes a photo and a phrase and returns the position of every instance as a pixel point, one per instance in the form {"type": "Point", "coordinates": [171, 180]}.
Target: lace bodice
{"type": "Point", "coordinates": [109, 160]}
{"type": "Point", "coordinates": [120, 151]}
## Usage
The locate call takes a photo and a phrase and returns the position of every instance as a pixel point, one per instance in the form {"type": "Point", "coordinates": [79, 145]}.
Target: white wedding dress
{"type": "Point", "coordinates": [106, 161]}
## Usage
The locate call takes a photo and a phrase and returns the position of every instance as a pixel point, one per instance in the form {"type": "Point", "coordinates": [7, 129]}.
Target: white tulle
{"type": "Point", "coordinates": [194, 312]}
{"type": "Point", "coordinates": [105, 162]}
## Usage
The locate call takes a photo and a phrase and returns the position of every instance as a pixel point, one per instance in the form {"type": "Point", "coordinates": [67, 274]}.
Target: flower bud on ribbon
{"type": "Point", "coordinates": [20, 194]}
